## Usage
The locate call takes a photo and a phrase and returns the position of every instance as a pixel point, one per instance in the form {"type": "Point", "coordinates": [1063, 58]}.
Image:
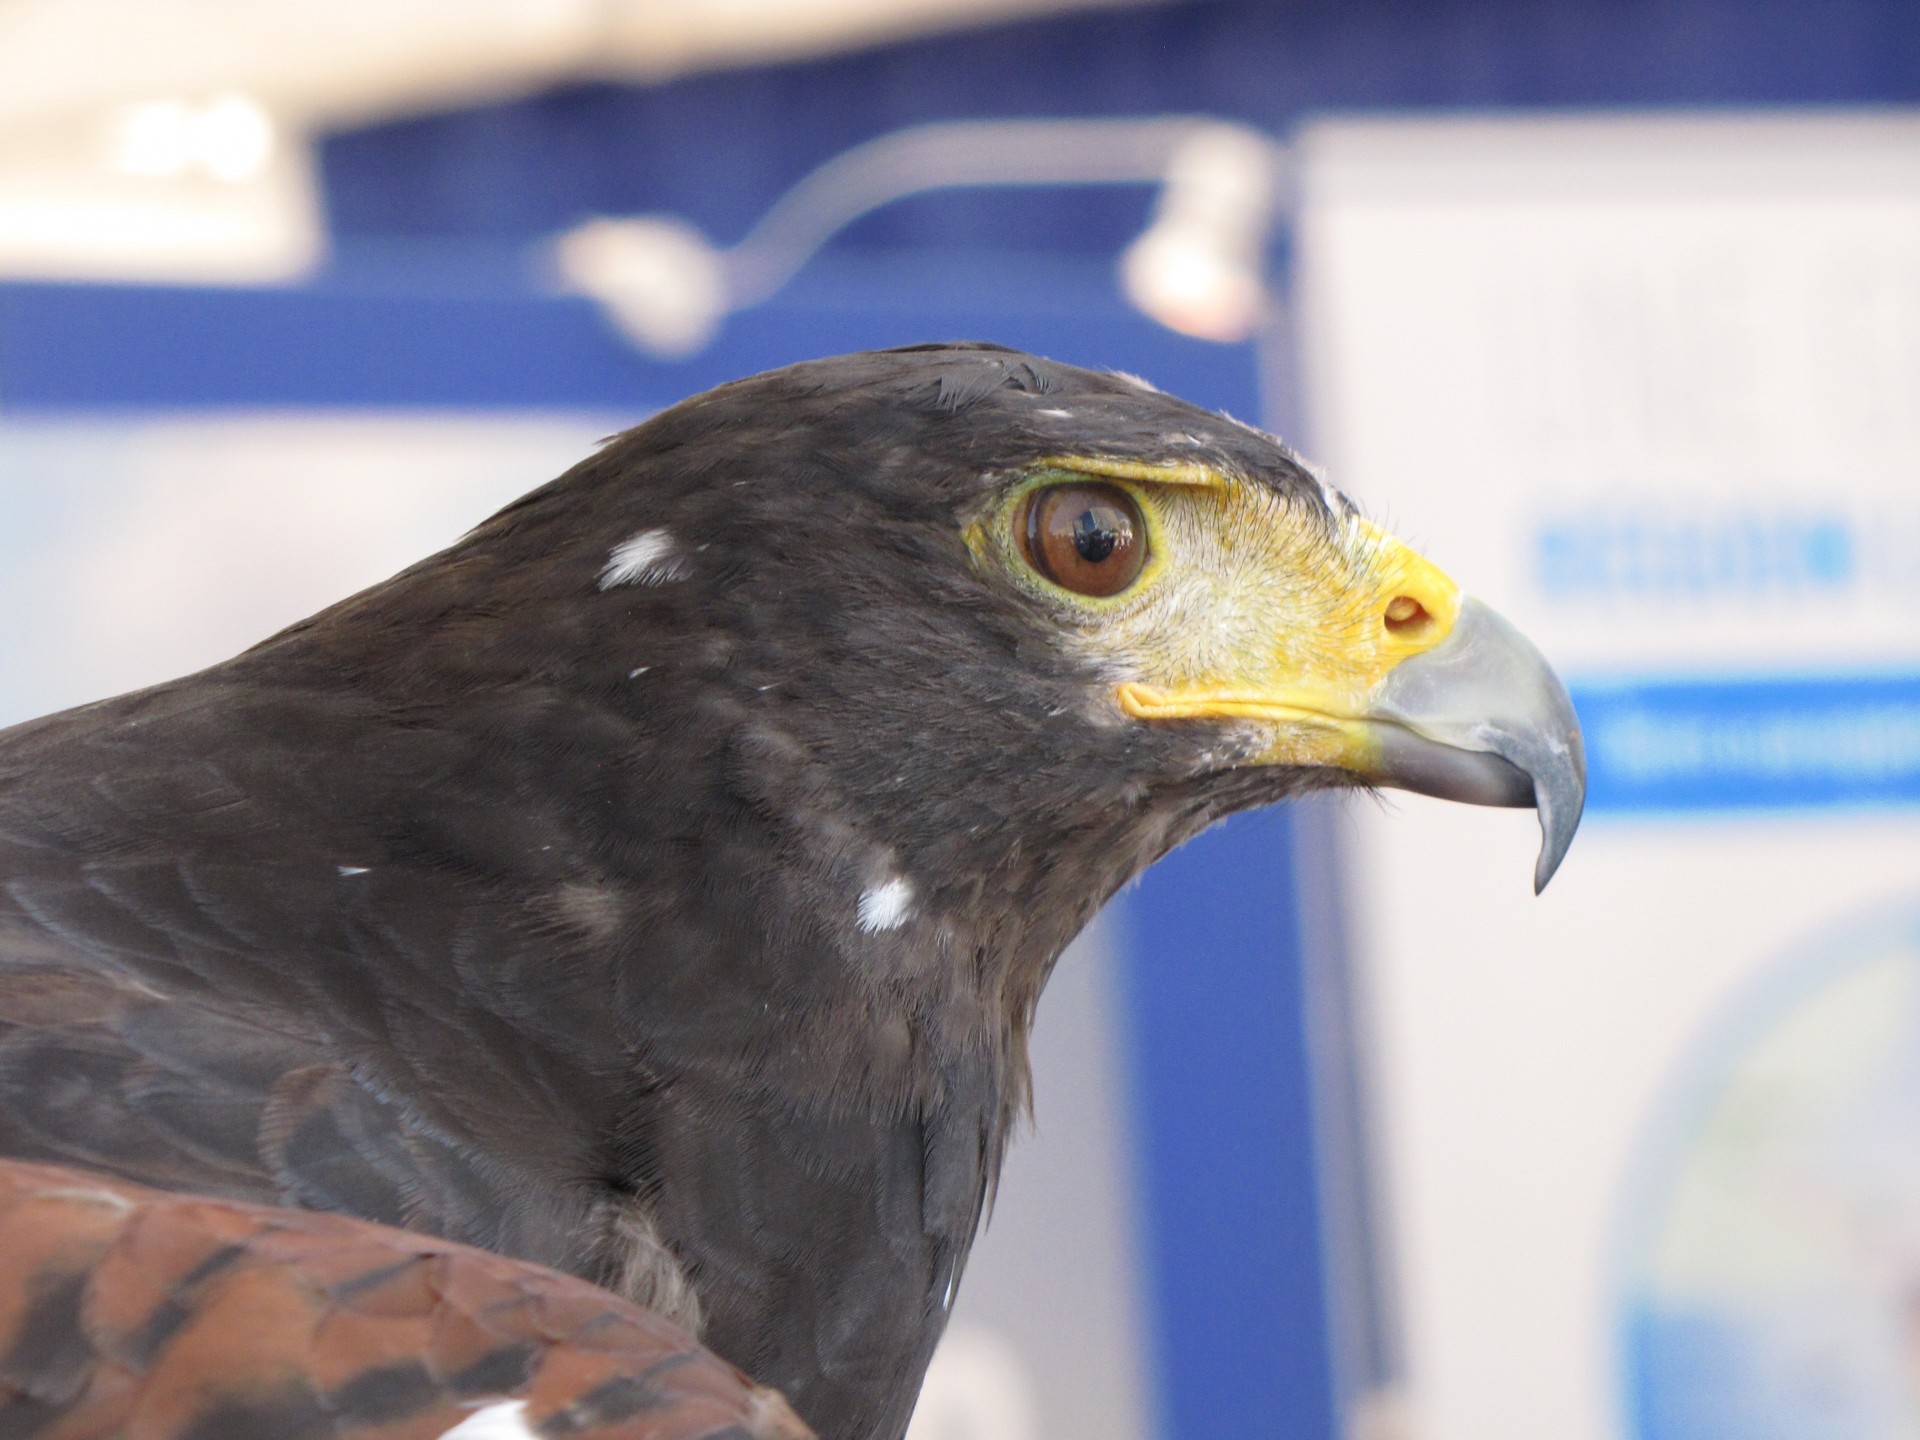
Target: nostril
{"type": "Point", "coordinates": [1405, 614]}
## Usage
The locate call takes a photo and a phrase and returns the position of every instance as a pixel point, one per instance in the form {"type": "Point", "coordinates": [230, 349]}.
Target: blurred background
{"type": "Point", "coordinates": [1612, 308]}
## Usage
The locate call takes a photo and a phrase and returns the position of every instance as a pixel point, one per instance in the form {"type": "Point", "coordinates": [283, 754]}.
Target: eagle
{"type": "Point", "coordinates": [596, 965]}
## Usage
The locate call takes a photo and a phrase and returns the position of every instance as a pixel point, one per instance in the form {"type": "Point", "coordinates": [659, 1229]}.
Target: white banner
{"type": "Point", "coordinates": [1651, 387]}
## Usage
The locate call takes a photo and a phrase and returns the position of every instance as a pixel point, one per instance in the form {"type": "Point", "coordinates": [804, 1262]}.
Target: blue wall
{"type": "Point", "coordinates": [465, 331]}
{"type": "Point", "coordinates": [1224, 1118]}
{"type": "Point", "coordinates": [718, 148]}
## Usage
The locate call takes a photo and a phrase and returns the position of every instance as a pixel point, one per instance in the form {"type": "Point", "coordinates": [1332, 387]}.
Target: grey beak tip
{"type": "Point", "coordinates": [1553, 850]}
{"type": "Point", "coordinates": [1560, 798]}
{"type": "Point", "coordinates": [1551, 854]}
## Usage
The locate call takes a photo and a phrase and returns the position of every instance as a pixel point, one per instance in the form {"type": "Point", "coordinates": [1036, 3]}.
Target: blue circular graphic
{"type": "Point", "coordinates": [1772, 1263]}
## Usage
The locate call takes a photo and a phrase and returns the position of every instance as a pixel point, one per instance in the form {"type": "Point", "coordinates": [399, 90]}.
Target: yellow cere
{"type": "Point", "coordinates": [1250, 606]}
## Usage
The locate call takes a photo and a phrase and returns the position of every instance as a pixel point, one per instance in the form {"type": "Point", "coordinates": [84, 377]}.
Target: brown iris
{"type": "Point", "coordinates": [1088, 538]}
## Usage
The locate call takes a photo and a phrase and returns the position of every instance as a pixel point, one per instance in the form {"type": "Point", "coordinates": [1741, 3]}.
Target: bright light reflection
{"type": "Point", "coordinates": [153, 139]}
{"type": "Point", "coordinates": [1189, 282]}
{"type": "Point", "coordinates": [229, 138]}
{"type": "Point", "coordinates": [232, 138]}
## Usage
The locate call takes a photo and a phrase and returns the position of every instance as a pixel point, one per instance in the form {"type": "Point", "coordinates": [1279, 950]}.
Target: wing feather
{"type": "Point", "coordinates": [128, 1311]}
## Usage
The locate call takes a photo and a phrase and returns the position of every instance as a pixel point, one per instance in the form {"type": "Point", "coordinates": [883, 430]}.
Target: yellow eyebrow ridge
{"type": "Point", "coordinates": [1150, 471]}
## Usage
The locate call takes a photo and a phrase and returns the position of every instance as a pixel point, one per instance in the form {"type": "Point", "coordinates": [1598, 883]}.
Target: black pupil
{"type": "Point", "coordinates": [1095, 534]}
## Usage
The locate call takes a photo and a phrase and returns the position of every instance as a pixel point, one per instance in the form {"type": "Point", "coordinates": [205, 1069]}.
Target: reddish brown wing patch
{"type": "Point", "coordinates": [128, 1312]}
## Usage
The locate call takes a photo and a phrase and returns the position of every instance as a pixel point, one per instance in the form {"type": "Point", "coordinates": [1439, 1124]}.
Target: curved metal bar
{"type": "Point", "coordinates": [948, 156]}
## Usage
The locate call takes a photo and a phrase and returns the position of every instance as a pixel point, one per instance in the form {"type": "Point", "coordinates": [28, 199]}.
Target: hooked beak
{"type": "Point", "coordinates": [1481, 718]}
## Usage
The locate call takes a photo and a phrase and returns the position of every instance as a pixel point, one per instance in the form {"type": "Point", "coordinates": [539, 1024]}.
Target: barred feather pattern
{"type": "Point", "coordinates": [126, 1311]}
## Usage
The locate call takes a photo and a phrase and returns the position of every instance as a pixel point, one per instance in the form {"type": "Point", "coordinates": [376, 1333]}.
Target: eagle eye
{"type": "Point", "coordinates": [1087, 538]}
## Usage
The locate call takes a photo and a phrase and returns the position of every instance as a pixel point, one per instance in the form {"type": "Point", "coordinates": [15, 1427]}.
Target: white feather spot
{"type": "Point", "coordinates": [887, 905]}
{"type": "Point", "coordinates": [1058, 414]}
{"type": "Point", "coordinates": [1137, 382]}
{"type": "Point", "coordinates": [638, 671]}
{"type": "Point", "coordinates": [87, 1195]}
{"type": "Point", "coordinates": [647, 559]}
{"type": "Point", "coordinates": [347, 872]}
{"type": "Point", "coordinates": [506, 1420]}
